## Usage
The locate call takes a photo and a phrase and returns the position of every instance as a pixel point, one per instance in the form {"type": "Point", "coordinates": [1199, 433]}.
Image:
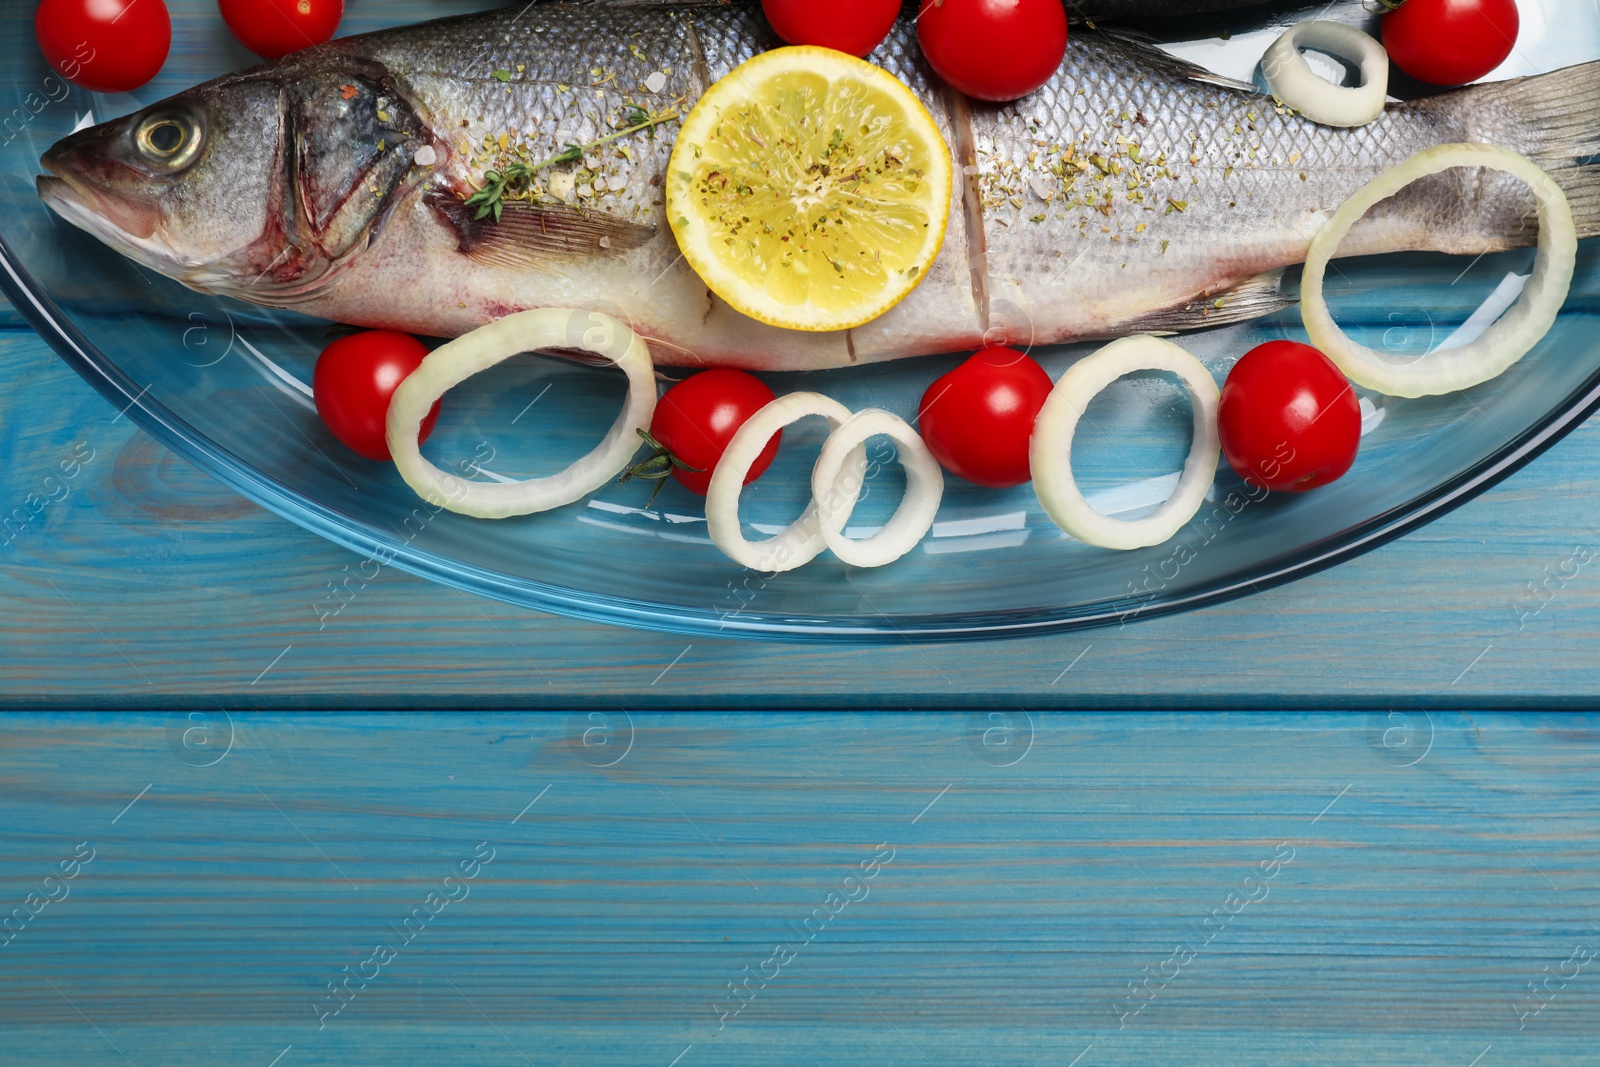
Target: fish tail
{"type": "Point", "coordinates": [1554, 120]}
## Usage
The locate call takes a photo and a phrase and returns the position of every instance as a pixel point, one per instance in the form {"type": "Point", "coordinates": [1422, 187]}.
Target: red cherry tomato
{"type": "Point", "coordinates": [107, 46]}
{"type": "Point", "coordinates": [273, 28]}
{"type": "Point", "coordinates": [854, 26]}
{"type": "Point", "coordinates": [994, 49]}
{"type": "Point", "coordinates": [978, 419]}
{"type": "Point", "coordinates": [1450, 42]}
{"type": "Point", "coordinates": [698, 417]}
{"type": "Point", "coordinates": [1290, 420]}
{"type": "Point", "coordinates": [354, 380]}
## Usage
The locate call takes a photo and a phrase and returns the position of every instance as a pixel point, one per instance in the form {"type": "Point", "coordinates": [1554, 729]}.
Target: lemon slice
{"type": "Point", "coordinates": [809, 189]}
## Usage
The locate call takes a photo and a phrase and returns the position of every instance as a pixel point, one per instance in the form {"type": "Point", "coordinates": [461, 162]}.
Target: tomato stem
{"type": "Point", "coordinates": [658, 467]}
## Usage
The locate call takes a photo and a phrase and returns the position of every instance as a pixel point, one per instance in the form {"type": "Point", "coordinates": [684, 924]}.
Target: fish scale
{"type": "Point", "coordinates": [1132, 192]}
{"type": "Point", "coordinates": [1219, 191]}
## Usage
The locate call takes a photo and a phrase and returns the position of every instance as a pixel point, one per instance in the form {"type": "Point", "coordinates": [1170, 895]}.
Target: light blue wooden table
{"type": "Point", "coordinates": [150, 585]}
{"type": "Point", "coordinates": [712, 889]}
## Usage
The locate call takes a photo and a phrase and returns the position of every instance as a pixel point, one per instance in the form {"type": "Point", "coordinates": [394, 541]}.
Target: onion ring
{"type": "Point", "coordinates": [450, 365]}
{"type": "Point", "coordinates": [1292, 80]}
{"type": "Point", "coordinates": [802, 541]}
{"type": "Point", "coordinates": [1050, 452]}
{"type": "Point", "coordinates": [912, 519]}
{"type": "Point", "coordinates": [1502, 344]}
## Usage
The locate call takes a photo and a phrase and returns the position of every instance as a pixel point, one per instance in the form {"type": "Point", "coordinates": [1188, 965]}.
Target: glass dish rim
{"type": "Point", "coordinates": [56, 328]}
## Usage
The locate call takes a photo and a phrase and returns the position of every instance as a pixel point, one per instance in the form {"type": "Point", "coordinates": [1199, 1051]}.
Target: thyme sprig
{"type": "Point", "coordinates": [514, 179]}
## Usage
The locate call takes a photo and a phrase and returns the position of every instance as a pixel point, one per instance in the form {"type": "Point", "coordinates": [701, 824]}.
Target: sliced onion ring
{"type": "Point", "coordinates": [1292, 80]}
{"type": "Point", "coordinates": [802, 541]}
{"type": "Point", "coordinates": [1050, 453]}
{"type": "Point", "coordinates": [1500, 345]}
{"type": "Point", "coordinates": [449, 366]}
{"type": "Point", "coordinates": [912, 519]}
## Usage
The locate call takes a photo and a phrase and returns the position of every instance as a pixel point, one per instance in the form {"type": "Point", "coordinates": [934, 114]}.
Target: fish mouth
{"type": "Point", "coordinates": [127, 226]}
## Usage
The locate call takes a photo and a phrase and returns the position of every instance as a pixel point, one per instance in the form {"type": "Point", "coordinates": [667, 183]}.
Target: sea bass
{"type": "Point", "coordinates": [1110, 10]}
{"type": "Point", "coordinates": [1132, 193]}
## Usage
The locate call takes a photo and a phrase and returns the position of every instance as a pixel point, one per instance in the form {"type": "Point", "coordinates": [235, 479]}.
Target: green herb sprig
{"type": "Point", "coordinates": [514, 179]}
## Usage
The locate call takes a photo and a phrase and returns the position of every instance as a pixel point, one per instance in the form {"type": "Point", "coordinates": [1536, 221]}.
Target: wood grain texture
{"type": "Point", "coordinates": [1410, 876]}
{"type": "Point", "coordinates": [151, 585]}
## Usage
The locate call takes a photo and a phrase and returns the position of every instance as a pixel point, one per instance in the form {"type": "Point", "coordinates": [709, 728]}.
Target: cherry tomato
{"type": "Point", "coordinates": [107, 46]}
{"type": "Point", "coordinates": [697, 418]}
{"type": "Point", "coordinates": [978, 419]}
{"type": "Point", "coordinates": [1290, 420]}
{"type": "Point", "coordinates": [273, 28]}
{"type": "Point", "coordinates": [1450, 42]}
{"type": "Point", "coordinates": [354, 380]}
{"type": "Point", "coordinates": [994, 49]}
{"type": "Point", "coordinates": [854, 26]}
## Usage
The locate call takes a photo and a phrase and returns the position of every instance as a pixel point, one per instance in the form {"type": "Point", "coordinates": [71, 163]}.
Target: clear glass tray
{"type": "Point", "coordinates": [224, 385]}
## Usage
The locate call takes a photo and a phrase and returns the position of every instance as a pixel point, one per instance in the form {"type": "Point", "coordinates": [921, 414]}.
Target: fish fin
{"type": "Point", "coordinates": [1550, 118]}
{"type": "Point", "coordinates": [535, 235]}
{"type": "Point", "coordinates": [1249, 298]}
{"type": "Point", "coordinates": [1221, 81]}
{"type": "Point", "coordinates": [1150, 56]}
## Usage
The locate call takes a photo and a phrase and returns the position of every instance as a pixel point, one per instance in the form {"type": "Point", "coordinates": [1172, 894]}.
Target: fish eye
{"type": "Point", "coordinates": [170, 141]}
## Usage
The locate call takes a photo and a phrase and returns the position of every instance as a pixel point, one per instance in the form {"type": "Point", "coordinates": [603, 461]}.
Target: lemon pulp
{"type": "Point", "coordinates": [810, 189]}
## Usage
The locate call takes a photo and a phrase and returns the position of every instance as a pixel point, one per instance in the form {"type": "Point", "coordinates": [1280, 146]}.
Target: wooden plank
{"type": "Point", "coordinates": [1334, 900]}
{"type": "Point", "coordinates": [150, 584]}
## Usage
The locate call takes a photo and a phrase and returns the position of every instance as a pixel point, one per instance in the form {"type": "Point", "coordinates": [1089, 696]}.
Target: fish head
{"type": "Point", "coordinates": [261, 185]}
{"type": "Point", "coordinates": [182, 187]}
